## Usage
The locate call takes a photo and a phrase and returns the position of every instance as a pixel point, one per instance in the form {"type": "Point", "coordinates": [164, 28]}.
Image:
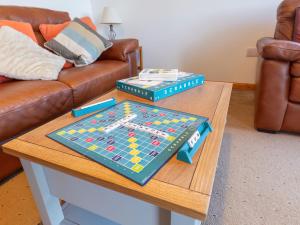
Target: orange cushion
{"type": "Point", "coordinates": [49, 31]}
{"type": "Point", "coordinates": [68, 65]}
{"type": "Point", "coordinates": [4, 79]}
{"type": "Point", "coordinates": [22, 27]}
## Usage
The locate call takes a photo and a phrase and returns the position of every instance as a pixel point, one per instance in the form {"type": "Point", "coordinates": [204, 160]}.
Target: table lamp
{"type": "Point", "coordinates": [110, 17]}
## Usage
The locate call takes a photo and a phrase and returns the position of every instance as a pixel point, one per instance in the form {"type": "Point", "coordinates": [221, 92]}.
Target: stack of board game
{"type": "Point", "coordinates": [159, 74]}
{"type": "Point", "coordinates": [157, 90]}
{"type": "Point", "coordinates": [134, 139]}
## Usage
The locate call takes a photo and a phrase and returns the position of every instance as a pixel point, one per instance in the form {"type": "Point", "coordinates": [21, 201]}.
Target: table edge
{"type": "Point", "coordinates": [212, 146]}
{"type": "Point", "coordinates": [198, 211]}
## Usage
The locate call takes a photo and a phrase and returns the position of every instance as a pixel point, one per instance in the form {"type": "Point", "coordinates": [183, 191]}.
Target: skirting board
{"type": "Point", "coordinates": [244, 86]}
{"type": "Point", "coordinates": [241, 86]}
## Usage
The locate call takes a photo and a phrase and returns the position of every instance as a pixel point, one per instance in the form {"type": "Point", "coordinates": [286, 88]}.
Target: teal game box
{"type": "Point", "coordinates": [157, 90]}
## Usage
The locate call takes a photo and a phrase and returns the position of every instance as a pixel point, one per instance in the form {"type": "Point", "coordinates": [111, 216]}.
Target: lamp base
{"type": "Point", "coordinates": [112, 33]}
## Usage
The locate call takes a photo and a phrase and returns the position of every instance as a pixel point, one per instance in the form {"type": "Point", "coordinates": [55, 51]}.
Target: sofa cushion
{"type": "Point", "coordinates": [78, 43]}
{"type": "Point", "coordinates": [296, 30]}
{"type": "Point", "coordinates": [26, 104]}
{"type": "Point", "coordinates": [49, 31]}
{"type": "Point", "coordinates": [4, 79]}
{"type": "Point", "coordinates": [22, 27]}
{"type": "Point", "coordinates": [295, 90]}
{"type": "Point", "coordinates": [22, 59]}
{"type": "Point", "coordinates": [295, 69]}
{"type": "Point", "coordinates": [286, 19]}
{"type": "Point", "coordinates": [91, 81]}
{"type": "Point", "coordinates": [34, 16]}
{"type": "Point", "coordinates": [291, 122]}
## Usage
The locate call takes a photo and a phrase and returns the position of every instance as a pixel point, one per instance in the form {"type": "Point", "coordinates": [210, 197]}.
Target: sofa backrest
{"type": "Point", "coordinates": [34, 16]}
{"type": "Point", "coordinates": [286, 19]}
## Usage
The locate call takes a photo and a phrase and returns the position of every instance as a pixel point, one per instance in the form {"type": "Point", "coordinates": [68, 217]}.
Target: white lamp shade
{"type": "Point", "coordinates": [110, 16]}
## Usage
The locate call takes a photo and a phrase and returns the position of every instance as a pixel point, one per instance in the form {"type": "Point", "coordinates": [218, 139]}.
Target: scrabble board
{"type": "Point", "coordinates": [131, 138]}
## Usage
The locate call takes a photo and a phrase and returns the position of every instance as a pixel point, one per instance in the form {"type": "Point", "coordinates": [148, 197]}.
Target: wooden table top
{"type": "Point", "coordinates": [178, 186]}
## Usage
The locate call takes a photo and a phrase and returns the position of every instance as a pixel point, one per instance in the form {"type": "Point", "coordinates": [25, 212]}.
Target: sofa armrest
{"type": "Point", "coordinates": [121, 49]}
{"type": "Point", "coordinates": [281, 50]}
{"type": "Point", "coordinates": [272, 95]}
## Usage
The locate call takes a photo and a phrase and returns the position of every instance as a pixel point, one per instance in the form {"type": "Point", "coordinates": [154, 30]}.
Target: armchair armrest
{"type": "Point", "coordinates": [281, 50]}
{"type": "Point", "coordinates": [121, 49]}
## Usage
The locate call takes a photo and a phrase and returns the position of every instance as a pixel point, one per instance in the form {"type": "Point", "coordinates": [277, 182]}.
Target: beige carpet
{"type": "Point", "coordinates": [257, 181]}
{"type": "Point", "coordinates": [16, 203]}
{"type": "Point", "coordinates": [258, 177]}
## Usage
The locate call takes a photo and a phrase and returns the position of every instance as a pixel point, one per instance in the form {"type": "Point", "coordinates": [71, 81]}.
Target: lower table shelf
{"type": "Point", "coordinates": [78, 216]}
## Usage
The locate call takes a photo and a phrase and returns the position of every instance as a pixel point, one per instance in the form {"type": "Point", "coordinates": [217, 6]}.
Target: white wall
{"type": "Point", "coordinates": [193, 35]}
{"type": "Point", "coordinates": [74, 7]}
{"type": "Point", "coordinates": [197, 35]}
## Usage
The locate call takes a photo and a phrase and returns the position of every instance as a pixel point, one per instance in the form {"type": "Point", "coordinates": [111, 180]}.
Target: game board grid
{"type": "Point", "coordinates": [104, 152]}
{"type": "Point", "coordinates": [82, 143]}
{"type": "Point", "coordinates": [109, 155]}
{"type": "Point", "coordinates": [175, 126]}
{"type": "Point", "coordinates": [164, 143]}
{"type": "Point", "coordinates": [123, 144]}
{"type": "Point", "coordinates": [143, 138]}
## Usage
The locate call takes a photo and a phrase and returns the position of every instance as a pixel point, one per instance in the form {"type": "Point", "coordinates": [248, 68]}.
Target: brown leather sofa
{"type": "Point", "coordinates": [278, 97]}
{"type": "Point", "coordinates": [27, 104]}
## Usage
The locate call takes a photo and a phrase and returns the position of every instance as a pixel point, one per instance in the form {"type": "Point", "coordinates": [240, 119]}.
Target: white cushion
{"type": "Point", "coordinates": [23, 59]}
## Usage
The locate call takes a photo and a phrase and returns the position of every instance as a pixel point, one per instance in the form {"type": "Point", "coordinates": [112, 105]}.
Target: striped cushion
{"type": "Point", "coordinates": [79, 44]}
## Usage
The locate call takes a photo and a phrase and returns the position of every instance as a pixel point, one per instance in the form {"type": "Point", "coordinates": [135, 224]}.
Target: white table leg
{"type": "Point", "coordinates": [48, 205]}
{"type": "Point", "coordinates": [179, 219]}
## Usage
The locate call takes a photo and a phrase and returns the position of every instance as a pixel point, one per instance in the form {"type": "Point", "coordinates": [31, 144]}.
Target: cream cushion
{"type": "Point", "coordinates": [22, 59]}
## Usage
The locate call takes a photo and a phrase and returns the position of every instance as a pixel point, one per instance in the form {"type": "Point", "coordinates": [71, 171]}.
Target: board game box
{"type": "Point", "coordinates": [157, 90]}
{"type": "Point", "coordinates": [131, 138]}
{"type": "Point", "coordinates": [159, 74]}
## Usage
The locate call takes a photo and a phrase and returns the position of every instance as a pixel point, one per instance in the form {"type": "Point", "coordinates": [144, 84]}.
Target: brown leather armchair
{"type": "Point", "coordinates": [278, 94]}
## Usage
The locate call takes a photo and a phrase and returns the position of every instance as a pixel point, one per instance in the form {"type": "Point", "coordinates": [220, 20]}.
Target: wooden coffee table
{"type": "Point", "coordinates": [179, 194]}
